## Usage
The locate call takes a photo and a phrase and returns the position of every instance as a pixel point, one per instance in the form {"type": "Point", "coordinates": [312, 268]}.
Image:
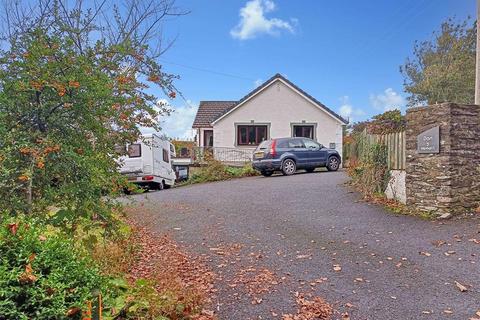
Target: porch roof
{"type": "Point", "coordinates": [209, 111]}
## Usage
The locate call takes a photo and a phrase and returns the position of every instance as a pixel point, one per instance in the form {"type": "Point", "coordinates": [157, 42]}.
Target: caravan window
{"type": "Point", "coordinates": [165, 155]}
{"type": "Point", "coordinates": [135, 150]}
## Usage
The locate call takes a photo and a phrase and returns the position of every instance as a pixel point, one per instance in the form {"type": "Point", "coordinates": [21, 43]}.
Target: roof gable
{"type": "Point", "coordinates": [292, 86]}
{"type": "Point", "coordinates": [210, 112]}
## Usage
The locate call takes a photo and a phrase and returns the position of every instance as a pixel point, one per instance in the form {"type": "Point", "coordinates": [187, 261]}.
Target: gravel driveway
{"type": "Point", "coordinates": [317, 237]}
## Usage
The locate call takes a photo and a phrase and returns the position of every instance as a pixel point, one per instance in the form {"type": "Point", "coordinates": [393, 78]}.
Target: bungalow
{"type": "Point", "coordinates": [275, 109]}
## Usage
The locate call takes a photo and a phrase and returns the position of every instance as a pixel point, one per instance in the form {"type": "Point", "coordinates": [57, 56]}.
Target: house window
{"type": "Point", "coordinates": [165, 155]}
{"type": "Point", "coordinates": [303, 131]}
{"type": "Point", "coordinates": [251, 135]}
{"type": "Point", "coordinates": [135, 150]}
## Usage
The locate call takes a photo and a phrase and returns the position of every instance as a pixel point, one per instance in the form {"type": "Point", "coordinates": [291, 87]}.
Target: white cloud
{"type": "Point", "coordinates": [388, 100]}
{"type": "Point", "coordinates": [179, 123]}
{"type": "Point", "coordinates": [253, 21]}
{"type": "Point", "coordinates": [257, 83]}
{"type": "Point", "coordinates": [348, 111]}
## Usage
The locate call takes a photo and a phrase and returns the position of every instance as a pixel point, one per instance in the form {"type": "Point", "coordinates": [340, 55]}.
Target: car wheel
{"type": "Point", "coordinates": [166, 186]}
{"type": "Point", "coordinates": [310, 170]}
{"type": "Point", "coordinates": [289, 167]}
{"type": "Point", "coordinates": [333, 163]}
{"type": "Point", "coordinates": [266, 173]}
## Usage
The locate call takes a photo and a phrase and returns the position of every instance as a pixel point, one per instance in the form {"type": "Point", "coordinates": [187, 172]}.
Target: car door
{"type": "Point", "coordinates": [317, 155]}
{"type": "Point", "coordinates": [298, 149]}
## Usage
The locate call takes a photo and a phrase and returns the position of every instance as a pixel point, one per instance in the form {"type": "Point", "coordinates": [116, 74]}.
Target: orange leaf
{"type": "Point", "coordinates": [13, 228]}
{"type": "Point", "coordinates": [23, 178]}
{"type": "Point", "coordinates": [28, 268]}
{"type": "Point", "coordinates": [73, 311]}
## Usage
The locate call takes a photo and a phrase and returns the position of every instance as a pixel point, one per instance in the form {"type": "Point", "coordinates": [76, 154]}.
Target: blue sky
{"type": "Point", "coordinates": [345, 53]}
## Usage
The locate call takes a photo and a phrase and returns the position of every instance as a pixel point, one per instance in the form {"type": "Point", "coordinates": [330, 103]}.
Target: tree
{"type": "Point", "coordinates": [387, 122]}
{"type": "Point", "coordinates": [443, 69]}
{"type": "Point", "coordinates": [71, 90]}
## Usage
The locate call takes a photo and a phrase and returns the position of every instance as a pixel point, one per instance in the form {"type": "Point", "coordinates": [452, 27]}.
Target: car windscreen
{"type": "Point", "coordinates": [135, 150]}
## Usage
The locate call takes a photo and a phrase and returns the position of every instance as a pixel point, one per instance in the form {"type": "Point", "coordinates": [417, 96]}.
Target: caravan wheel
{"type": "Point", "coordinates": [156, 186]}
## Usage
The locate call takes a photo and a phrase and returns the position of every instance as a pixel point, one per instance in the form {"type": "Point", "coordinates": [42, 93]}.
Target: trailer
{"type": "Point", "coordinates": [147, 162]}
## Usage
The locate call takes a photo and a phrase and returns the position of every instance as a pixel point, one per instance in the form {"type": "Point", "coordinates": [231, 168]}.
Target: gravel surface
{"type": "Point", "coordinates": [316, 236]}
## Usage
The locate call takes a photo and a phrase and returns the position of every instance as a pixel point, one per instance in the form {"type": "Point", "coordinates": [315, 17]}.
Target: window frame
{"type": "Point", "coordinates": [140, 148]}
{"type": "Point", "coordinates": [165, 153]}
{"type": "Point", "coordinates": [314, 125]}
{"type": "Point", "coordinates": [247, 127]}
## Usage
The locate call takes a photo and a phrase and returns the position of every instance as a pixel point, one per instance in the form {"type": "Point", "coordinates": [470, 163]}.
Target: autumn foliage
{"type": "Point", "coordinates": [64, 105]}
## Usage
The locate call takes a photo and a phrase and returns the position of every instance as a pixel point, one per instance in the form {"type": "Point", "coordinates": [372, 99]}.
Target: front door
{"type": "Point", "coordinates": [208, 138]}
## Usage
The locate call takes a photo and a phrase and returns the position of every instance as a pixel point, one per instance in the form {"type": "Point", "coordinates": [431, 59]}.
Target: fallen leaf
{"type": "Point", "coordinates": [337, 268]}
{"type": "Point", "coordinates": [425, 253]}
{"type": "Point", "coordinates": [460, 286]}
{"type": "Point", "coordinates": [303, 256]}
{"type": "Point", "coordinates": [438, 243]}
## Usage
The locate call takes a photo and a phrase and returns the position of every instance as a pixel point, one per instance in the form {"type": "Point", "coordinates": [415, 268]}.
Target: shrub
{"type": "Point", "coordinates": [41, 274]}
{"type": "Point", "coordinates": [217, 171]}
{"type": "Point", "coordinates": [370, 174]}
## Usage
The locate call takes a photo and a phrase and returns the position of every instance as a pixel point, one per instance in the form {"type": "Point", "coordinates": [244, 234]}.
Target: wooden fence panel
{"type": "Point", "coordinates": [394, 142]}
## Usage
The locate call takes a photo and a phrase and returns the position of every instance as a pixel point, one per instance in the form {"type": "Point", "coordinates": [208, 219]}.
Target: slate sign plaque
{"type": "Point", "coordinates": [429, 141]}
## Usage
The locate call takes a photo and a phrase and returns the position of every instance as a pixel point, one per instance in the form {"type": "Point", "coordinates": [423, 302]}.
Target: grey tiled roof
{"type": "Point", "coordinates": [209, 111]}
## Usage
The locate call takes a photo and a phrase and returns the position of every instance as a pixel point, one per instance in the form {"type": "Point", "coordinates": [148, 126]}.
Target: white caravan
{"type": "Point", "coordinates": [148, 162]}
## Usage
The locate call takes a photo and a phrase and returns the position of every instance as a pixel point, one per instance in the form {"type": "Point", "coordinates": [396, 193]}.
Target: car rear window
{"type": "Point", "coordinates": [135, 150]}
{"type": "Point", "coordinates": [265, 145]}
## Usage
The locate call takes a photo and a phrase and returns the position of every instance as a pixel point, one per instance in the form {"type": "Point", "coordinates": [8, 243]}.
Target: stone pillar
{"type": "Point", "coordinates": [446, 181]}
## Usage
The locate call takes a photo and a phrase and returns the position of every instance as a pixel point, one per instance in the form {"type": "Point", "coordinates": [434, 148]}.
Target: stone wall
{"type": "Point", "coordinates": [447, 182]}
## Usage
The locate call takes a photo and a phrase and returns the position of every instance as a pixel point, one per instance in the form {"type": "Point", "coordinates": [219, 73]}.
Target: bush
{"type": "Point", "coordinates": [217, 171]}
{"type": "Point", "coordinates": [370, 174]}
{"type": "Point", "coordinates": [41, 275]}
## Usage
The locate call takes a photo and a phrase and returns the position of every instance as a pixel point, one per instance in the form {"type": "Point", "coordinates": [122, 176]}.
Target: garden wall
{"type": "Point", "coordinates": [443, 179]}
